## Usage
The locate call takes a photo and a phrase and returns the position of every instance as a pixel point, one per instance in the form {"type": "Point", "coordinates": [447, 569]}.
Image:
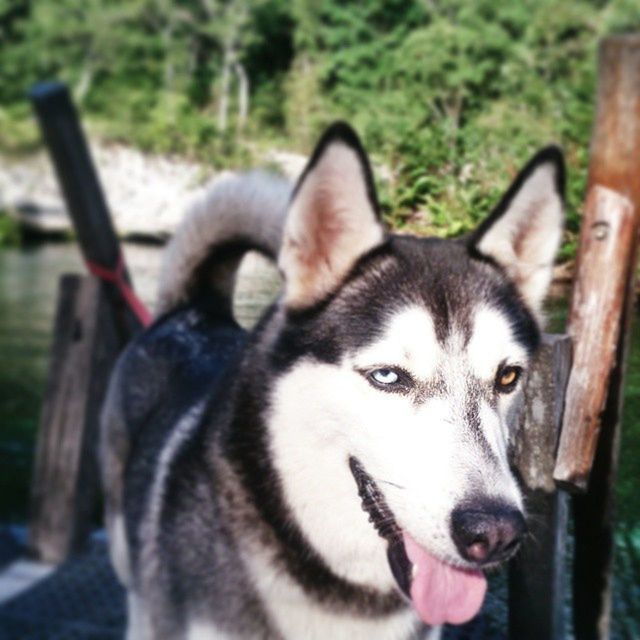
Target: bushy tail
{"type": "Point", "coordinates": [233, 215]}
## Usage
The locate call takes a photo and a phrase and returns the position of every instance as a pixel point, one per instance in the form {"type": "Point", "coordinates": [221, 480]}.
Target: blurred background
{"type": "Point", "coordinates": [450, 96]}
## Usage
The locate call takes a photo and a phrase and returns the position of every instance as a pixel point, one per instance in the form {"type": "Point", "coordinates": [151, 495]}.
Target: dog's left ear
{"type": "Point", "coordinates": [524, 231]}
{"type": "Point", "coordinates": [333, 219]}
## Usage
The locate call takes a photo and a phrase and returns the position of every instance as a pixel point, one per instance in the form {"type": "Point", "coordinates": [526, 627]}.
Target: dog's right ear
{"type": "Point", "coordinates": [333, 219]}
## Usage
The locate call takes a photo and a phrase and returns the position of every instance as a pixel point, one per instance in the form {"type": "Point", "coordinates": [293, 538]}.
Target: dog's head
{"type": "Point", "coordinates": [401, 363]}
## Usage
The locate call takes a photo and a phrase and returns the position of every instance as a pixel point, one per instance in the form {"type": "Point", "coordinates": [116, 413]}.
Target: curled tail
{"type": "Point", "coordinates": [234, 215]}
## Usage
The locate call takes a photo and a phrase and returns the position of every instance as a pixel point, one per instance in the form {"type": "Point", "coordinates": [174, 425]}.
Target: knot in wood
{"type": "Point", "coordinates": [600, 230]}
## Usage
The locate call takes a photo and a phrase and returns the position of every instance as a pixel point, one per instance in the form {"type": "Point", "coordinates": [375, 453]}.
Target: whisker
{"type": "Point", "coordinates": [393, 484]}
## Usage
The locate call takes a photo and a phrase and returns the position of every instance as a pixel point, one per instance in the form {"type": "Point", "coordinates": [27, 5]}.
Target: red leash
{"type": "Point", "coordinates": [116, 276]}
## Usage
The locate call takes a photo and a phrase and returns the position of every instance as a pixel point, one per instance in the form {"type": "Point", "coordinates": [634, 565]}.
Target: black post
{"type": "Point", "coordinates": [72, 161]}
{"type": "Point", "coordinates": [537, 574]}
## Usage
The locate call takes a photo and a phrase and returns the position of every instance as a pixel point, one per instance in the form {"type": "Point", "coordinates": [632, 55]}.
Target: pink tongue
{"type": "Point", "coordinates": [440, 592]}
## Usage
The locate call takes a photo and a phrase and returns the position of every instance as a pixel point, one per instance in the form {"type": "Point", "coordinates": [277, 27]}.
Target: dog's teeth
{"type": "Point", "coordinates": [414, 571]}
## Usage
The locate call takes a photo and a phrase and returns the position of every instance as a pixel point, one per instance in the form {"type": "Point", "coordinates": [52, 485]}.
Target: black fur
{"type": "Point", "coordinates": [180, 360]}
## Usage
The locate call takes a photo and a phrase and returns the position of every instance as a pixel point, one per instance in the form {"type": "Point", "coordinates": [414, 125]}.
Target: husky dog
{"type": "Point", "coordinates": [341, 471]}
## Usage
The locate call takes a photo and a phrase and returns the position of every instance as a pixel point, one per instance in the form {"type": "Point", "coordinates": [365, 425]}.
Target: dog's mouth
{"type": "Point", "coordinates": [440, 592]}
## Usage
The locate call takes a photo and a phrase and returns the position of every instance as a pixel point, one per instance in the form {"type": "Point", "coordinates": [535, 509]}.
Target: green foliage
{"type": "Point", "coordinates": [451, 96]}
{"type": "Point", "coordinates": [18, 131]}
{"type": "Point", "coordinates": [10, 235]}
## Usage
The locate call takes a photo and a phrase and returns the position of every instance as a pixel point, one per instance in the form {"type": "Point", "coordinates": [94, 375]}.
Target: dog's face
{"type": "Point", "coordinates": [402, 364]}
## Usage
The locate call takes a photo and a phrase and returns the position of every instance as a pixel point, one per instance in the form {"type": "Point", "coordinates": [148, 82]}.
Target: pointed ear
{"type": "Point", "coordinates": [333, 219]}
{"type": "Point", "coordinates": [524, 231]}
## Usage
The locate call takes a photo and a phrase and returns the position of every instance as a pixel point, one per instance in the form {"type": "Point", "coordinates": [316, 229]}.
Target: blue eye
{"type": "Point", "coordinates": [392, 379]}
{"type": "Point", "coordinates": [385, 376]}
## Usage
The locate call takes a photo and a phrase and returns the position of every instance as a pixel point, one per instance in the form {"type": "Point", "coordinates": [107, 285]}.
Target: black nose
{"type": "Point", "coordinates": [487, 533]}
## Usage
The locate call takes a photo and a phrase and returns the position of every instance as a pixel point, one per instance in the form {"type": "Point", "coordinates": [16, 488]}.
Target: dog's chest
{"type": "Point", "coordinates": [294, 615]}
{"type": "Point", "coordinates": [301, 622]}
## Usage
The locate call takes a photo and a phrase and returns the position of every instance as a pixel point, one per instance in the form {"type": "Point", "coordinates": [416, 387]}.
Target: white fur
{"type": "Point", "coordinates": [330, 224]}
{"type": "Point", "coordinates": [492, 342]}
{"type": "Point", "coordinates": [410, 343]}
{"type": "Point", "coordinates": [250, 206]}
{"type": "Point", "coordinates": [525, 239]}
{"type": "Point", "coordinates": [203, 630]}
{"type": "Point", "coordinates": [314, 407]}
{"type": "Point", "coordinates": [139, 625]}
{"type": "Point", "coordinates": [416, 451]}
{"type": "Point", "coordinates": [296, 616]}
{"type": "Point", "coordinates": [183, 429]}
{"type": "Point", "coordinates": [119, 549]}
{"type": "Point", "coordinates": [434, 634]}
{"type": "Point", "coordinates": [139, 617]}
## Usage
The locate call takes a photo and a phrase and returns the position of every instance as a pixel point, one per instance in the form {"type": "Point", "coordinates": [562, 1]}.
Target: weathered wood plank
{"type": "Point", "coordinates": [614, 161]}
{"type": "Point", "coordinates": [536, 439]}
{"type": "Point", "coordinates": [607, 241]}
{"type": "Point", "coordinates": [537, 574]}
{"type": "Point", "coordinates": [65, 482]}
{"type": "Point", "coordinates": [614, 169]}
{"type": "Point", "coordinates": [608, 237]}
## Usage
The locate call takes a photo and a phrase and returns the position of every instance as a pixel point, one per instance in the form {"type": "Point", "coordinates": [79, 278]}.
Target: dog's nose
{"type": "Point", "coordinates": [487, 533]}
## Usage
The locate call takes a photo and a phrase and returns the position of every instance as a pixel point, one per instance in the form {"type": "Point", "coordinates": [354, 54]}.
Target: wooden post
{"type": "Point", "coordinates": [599, 324]}
{"type": "Point", "coordinates": [78, 179]}
{"type": "Point", "coordinates": [65, 486]}
{"type": "Point", "coordinates": [537, 574]}
{"type": "Point", "coordinates": [76, 174]}
{"type": "Point", "coordinates": [94, 320]}
{"type": "Point", "coordinates": [608, 239]}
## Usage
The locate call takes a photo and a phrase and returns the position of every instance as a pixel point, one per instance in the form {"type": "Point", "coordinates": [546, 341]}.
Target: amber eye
{"type": "Point", "coordinates": [507, 378]}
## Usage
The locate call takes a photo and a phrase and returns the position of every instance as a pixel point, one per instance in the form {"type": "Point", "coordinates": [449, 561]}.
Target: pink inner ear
{"type": "Point", "coordinates": [326, 224]}
{"type": "Point", "coordinates": [525, 238]}
{"type": "Point", "coordinates": [331, 223]}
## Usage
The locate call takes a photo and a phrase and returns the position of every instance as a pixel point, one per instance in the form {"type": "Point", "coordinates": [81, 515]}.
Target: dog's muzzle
{"type": "Point", "coordinates": [439, 591]}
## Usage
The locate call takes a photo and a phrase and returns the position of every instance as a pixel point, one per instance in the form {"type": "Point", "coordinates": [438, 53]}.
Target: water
{"type": "Point", "coordinates": [28, 289]}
